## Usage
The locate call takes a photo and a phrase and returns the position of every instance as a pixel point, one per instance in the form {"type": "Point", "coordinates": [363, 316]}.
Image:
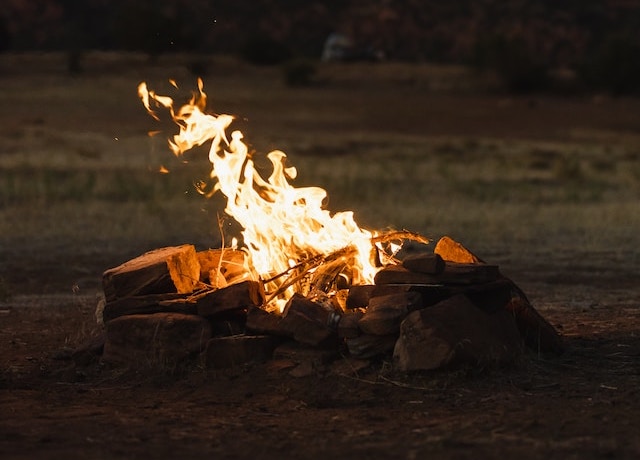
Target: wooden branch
{"type": "Point", "coordinates": [399, 235]}
{"type": "Point", "coordinates": [314, 262]}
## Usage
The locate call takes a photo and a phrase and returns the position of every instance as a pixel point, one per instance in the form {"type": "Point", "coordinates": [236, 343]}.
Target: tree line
{"type": "Point", "coordinates": [521, 40]}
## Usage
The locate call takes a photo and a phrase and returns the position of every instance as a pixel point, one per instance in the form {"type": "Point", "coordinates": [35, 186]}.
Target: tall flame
{"type": "Point", "coordinates": [282, 225]}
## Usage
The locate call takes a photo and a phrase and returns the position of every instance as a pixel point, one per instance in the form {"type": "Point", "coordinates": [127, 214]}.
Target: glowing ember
{"type": "Point", "coordinates": [284, 228]}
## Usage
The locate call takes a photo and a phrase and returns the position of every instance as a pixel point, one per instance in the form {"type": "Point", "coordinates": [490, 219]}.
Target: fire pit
{"type": "Point", "coordinates": [304, 285]}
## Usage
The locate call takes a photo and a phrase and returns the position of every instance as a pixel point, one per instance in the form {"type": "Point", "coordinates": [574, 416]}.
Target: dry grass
{"type": "Point", "coordinates": [515, 179]}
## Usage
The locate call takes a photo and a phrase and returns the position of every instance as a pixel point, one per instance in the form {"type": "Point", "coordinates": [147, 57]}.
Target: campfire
{"type": "Point", "coordinates": [300, 281]}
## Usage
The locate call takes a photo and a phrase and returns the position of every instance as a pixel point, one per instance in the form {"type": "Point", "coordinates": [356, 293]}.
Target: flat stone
{"type": "Point", "coordinates": [162, 340]}
{"type": "Point", "coordinates": [225, 352]}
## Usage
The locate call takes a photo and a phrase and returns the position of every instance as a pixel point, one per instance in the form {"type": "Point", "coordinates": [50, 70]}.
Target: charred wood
{"type": "Point", "coordinates": [167, 270]}
{"type": "Point", "coordinates": [147, 304]}
{"type": "Point", "coordinates": [233, 297]}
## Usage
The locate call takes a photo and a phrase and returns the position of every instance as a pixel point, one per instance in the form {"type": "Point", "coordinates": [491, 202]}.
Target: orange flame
{"type": "Point", "coordinates": [282, 225]}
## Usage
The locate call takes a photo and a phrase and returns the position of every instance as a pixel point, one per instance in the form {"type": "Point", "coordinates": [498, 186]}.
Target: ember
{"type": "Point", "coordinates": [306, 279]}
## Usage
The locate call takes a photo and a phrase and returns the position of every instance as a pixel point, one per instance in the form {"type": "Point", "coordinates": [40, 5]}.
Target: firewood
{"type": "Point", "coordinates": [452, 251]}
{"type": "Point", "coordinates": [431, 264]}
{"type": "Point", "coordinates": [453, 274]}
{"type": "Point", "coordinates": [156, 340]}
{"type": "Point", "coordinates": [309, 322]}
{"type": "Point", "coordinates": [234, 297]}
{"type": "Point", "coordinates": [146, 304]}
{"type": "Point", "coordinates": [384, 314]}
{"type": "Point", "coordinates": [456, 332]}
{"type": "Point", "coordinates": [228, 263]}
{"type": "Point", "coordinates": [226, 352]}
{"type": "Point", "coordinates": [166, 270]}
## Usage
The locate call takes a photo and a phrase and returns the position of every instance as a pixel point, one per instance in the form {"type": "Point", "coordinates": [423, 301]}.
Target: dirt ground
{"type": "Point", "coordinates": [583, 404]}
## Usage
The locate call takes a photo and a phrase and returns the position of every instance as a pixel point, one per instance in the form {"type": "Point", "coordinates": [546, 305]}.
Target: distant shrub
{"type": "Point", "coordinates": [263, 50]}
{"type": "Point", "coordinates": [513, 61]}
{"type": "Point", "coordinates": [568, 168]}
{"type": "Point", "coordinates": [614, 66]}
{"type": "Point", "coordinates": [198, 67]}
{"type": "Point", "coordinates": [299, 72]}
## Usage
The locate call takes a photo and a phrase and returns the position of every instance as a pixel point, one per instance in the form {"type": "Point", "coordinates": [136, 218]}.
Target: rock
{"type": "Point", "coordinates": [348, 325]}
{"type": "Point", "coordinates": [309, 322]}
{"type": "Point", "coordinates": [262, 322]}
{"type": "Point", "coordinates": [454, 332]}
{"type": "Point", "coordinates": [431, 264]}
{"type": "Point", "coordinates": [368, 346]}
{"type": "Point", "coordinates": [538, 334]}
{"type": "Point", "coordinates": [359, 295]}
{"type": "Point", "coordinates": [225, 352]}
{"type": "Point", "coordinates": [161, 340]}
{"type": "Point", "coordinates": [385, 313]}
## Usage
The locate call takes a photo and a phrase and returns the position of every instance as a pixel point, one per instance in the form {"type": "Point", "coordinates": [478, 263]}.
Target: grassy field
{"type": "Point", "coordinates": [520, 180]}
{"type": "Point", "coordinates": [546, 186]}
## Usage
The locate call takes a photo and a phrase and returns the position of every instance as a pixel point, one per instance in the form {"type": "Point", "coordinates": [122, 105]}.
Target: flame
{"type": "Point", "coordinates": [283, 226]}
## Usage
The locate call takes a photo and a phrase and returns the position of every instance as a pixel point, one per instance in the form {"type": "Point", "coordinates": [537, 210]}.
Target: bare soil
{"type": "Point", "coordinates": [582, 404]}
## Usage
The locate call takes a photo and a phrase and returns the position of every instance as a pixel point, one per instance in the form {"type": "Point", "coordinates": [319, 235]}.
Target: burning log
{"type": "Point", "coordinates": [167, 270]}
{"type": "Point", "coordinates": [426, 311]}
{"type": "Point", "coordinates": [459, 306]}
{"type": "Point", "coordinates": [234, 297]}
{"type": "Point", "coordinates": [220, 267]}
